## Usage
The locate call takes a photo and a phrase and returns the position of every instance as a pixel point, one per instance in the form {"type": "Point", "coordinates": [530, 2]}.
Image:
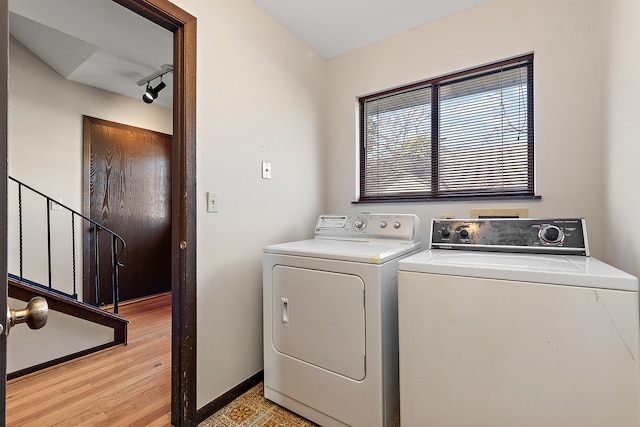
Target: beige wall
{"type": "Point", "coordinates": [260, 93]}
{"type": "Point", "coordinates": [565, 37]}
{"type": "Point", "coordinates": [621, 110]}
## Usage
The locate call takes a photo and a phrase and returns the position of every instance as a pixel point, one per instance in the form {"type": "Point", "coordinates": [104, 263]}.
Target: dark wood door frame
{"type": "Point", "coordinates": [183, 196]}
{"type": "Point", "coordinates": [4, 84]}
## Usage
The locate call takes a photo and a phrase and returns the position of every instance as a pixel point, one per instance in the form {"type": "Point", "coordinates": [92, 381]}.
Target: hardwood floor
{"type": "Point", "coordinates": [122, 386]}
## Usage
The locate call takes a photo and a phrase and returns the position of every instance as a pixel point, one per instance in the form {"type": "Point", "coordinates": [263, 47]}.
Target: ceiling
{"type": "Point", "coordinates": [334, 27]}
{"type": "Point", "coordinates": [95, 42]}
{"type": "Point", "coordinates": [102, 44]}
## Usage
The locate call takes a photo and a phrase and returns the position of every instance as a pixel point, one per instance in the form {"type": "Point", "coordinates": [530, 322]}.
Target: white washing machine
{"type": "Point", "coordinates": [510, 323]}
{"type": "Point", "coordinates": [330, 319]}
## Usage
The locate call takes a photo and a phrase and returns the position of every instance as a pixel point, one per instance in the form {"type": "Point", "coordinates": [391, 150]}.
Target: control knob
{"type": "Point", "coordinates": [383, 224]}
{"type": "Point", "coordinates": [359, 223]}
{"type": "Point", "coordinates": [464, 233]}
{"type": "Point", "coordinates": [446, 232]}
{"type": "Point", "coordinates": [551, 234]}
{"type": "Point", "coordinates": [397, 224]}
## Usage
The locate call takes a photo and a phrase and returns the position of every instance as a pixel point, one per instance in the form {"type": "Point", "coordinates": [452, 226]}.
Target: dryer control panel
{"type": "Point", "coordinates": [369, 226]}
{"type": "Point", "coordinates": [550, 235]}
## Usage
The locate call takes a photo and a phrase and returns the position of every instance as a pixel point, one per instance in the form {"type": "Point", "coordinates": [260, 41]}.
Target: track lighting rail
{"type": "Point", "coordinates": [166, 68]}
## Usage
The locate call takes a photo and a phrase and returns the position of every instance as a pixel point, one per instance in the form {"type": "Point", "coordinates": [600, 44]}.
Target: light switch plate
{"type": "Point", "coordinates": [212, 202]}
{"type": "Point", "coordinates": [266, 170]}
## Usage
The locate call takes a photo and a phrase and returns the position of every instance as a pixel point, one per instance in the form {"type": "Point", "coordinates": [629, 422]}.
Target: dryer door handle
{"type": "Point", "coordinates": [285, 309]}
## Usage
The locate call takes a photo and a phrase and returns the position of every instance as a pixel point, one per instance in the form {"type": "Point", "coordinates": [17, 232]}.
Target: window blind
{"type": "Point", "coordinates": [465, 135]}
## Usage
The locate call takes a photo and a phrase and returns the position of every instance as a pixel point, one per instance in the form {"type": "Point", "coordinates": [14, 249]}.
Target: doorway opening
{"type": "Point", "coordinates": [183, 213]}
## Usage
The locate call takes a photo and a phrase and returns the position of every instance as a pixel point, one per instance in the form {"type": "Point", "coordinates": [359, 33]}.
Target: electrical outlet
{"type": "Point", "coordinates": [266, 170]}
{"type": "Point", "coordinates": [212, 202]}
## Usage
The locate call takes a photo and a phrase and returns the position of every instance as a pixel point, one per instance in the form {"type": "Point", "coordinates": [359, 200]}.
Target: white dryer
{"type": "Point", "coordinates": [330, 319]}
{"type": "Point", "coordinates": [510, 323]}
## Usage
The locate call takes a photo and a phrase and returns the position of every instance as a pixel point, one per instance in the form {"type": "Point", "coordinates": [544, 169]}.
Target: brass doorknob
{"type": "Point", "coordinates": [34, 315]}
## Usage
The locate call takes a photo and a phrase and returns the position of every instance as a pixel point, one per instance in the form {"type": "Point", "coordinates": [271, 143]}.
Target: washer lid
{"type": "Point", "coordinates": [570, 270]}
{"type": "Point", "coordinates": [371, 252]}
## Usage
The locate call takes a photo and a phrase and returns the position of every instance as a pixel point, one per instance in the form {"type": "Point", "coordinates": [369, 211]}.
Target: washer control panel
{"type": "Point", "coordinates": [369, 226]}
{"type": "Point", "coordinates": [555, 235]}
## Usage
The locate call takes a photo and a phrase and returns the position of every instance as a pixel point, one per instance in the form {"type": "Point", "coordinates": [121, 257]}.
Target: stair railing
{"type": "Point", "coordinates": [117, 246]}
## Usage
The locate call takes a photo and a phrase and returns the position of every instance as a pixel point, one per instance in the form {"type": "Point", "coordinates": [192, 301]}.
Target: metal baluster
{"type": "Point", "coordinates": [97, 261]}
{"type": "Point", "coordinates": [114, 273]}
{"type": "Point", "coordinates": [49, 241]}
{"type": "Point", "coordinates": [73, 254]}
{"type": "Point", "coordinates": [20, 226]}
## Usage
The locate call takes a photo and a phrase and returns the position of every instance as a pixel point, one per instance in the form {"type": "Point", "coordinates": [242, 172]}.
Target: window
{"type": "Point", "coordinates": [466, 135]}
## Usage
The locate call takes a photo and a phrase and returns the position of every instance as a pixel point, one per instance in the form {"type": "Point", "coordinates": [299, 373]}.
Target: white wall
{"type": "Point", "coordinates": [565, 37]}
{"type": "Point", "coordinates": [621, 201]}
{"type": "Point", "coordinates": [259, 92]}
{"type": "Point", "coordinates": [45, 152]}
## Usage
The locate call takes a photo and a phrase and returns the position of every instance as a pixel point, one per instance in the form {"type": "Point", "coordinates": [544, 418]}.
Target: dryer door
{"type": "Point", "coordinates": [319, 318]}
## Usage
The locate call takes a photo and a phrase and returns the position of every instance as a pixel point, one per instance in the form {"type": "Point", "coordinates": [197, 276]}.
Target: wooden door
{"type": "Point", "coordinates": [128, 172]}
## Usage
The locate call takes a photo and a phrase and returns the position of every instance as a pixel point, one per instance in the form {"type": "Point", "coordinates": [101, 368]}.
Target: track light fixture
{"type": "Point", "coordinates": [151, 93]}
